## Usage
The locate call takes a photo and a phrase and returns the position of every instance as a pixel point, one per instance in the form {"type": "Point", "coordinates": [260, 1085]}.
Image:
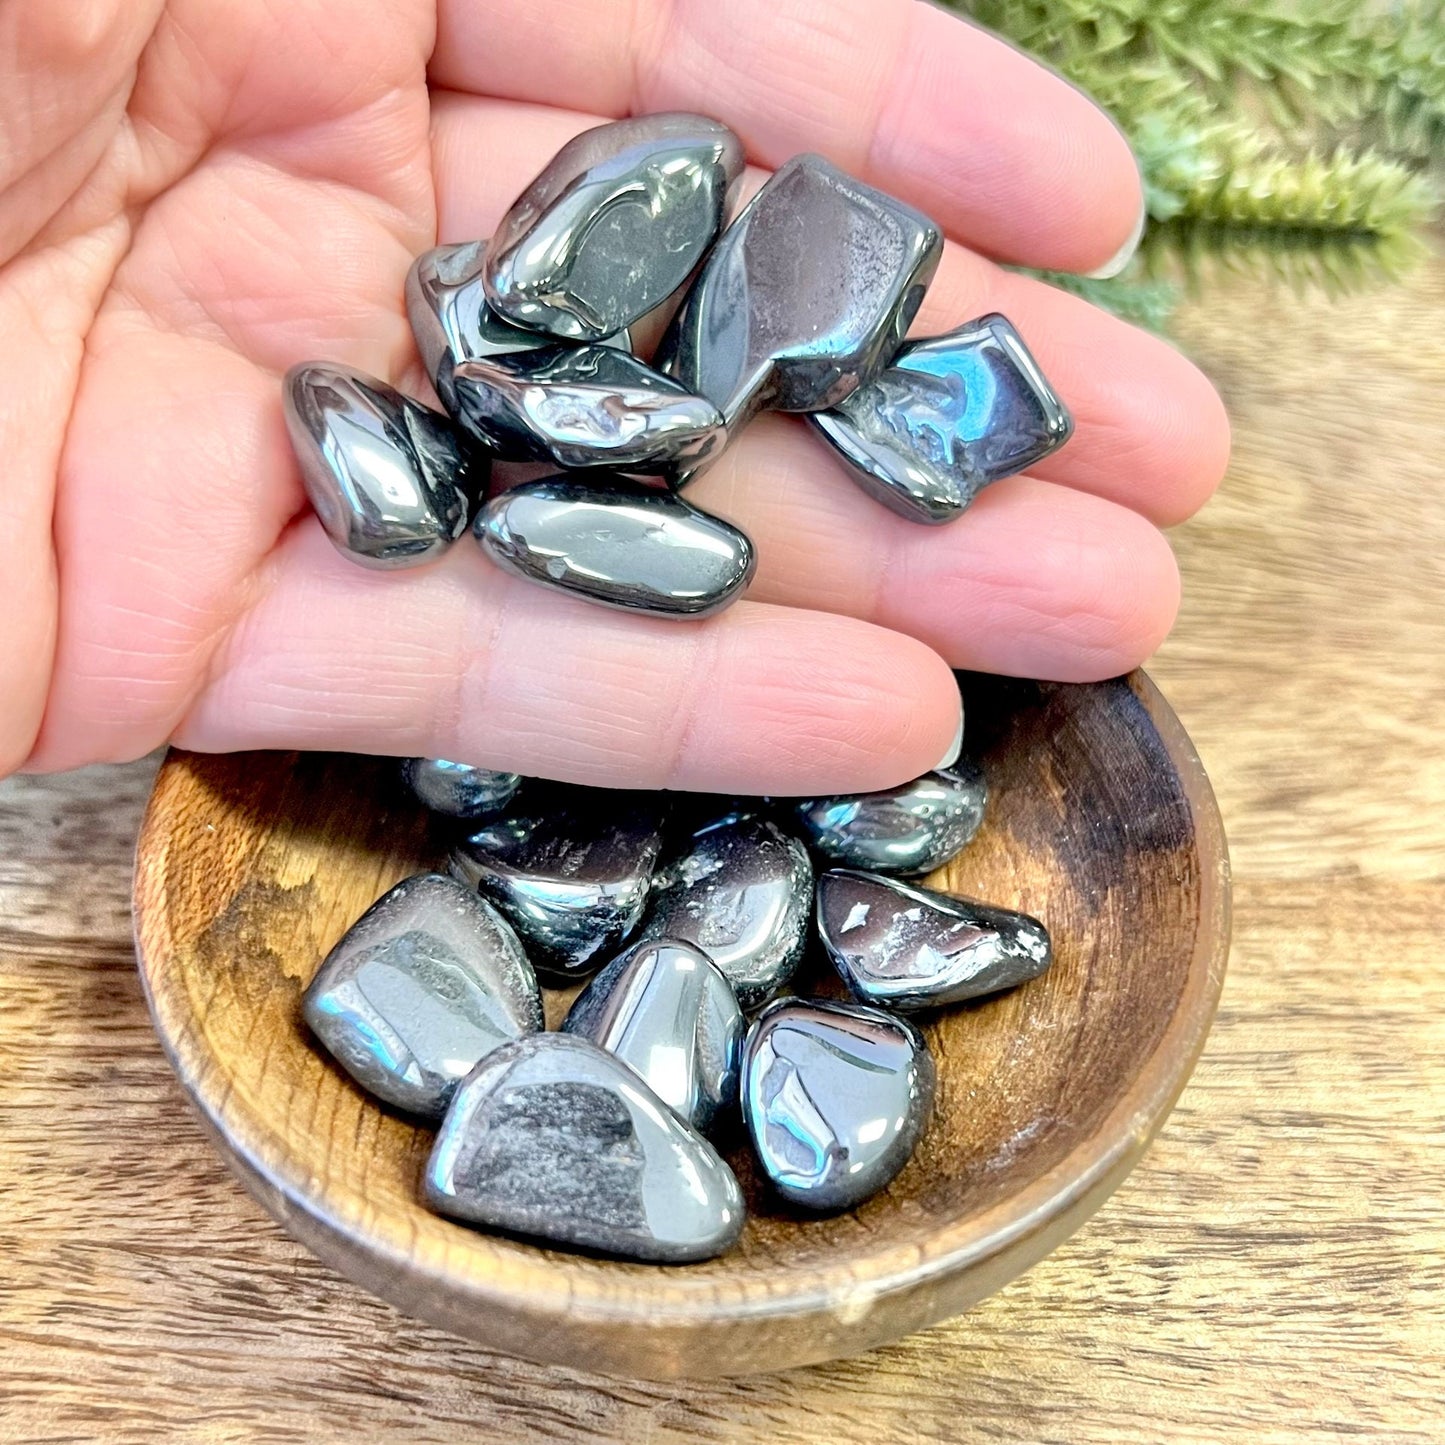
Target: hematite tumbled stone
{"type": "Point", "coordinates": [452, 322]}
{"type": "Point", "coordinates": [913, 828]}
{"type": "Point", "coordinates": [555, 1138]}
{"type": "Point", "coordinates": [949, 415]}
{"type": "Point", "coordinates": [428, 981]}
{"type": "Point", "coordinates": [740, 889]}
{"type": "Point", "coordinates": [614, 225]}
{"type": "Point", "coordinates": [388, 478]}
{"type": "Point", "coordinates": [583, 406]}
{"type": "Point", "coordinates": [805, 296]}
{"type": "Point", "coordinates": [618, 542]}
{"type": "Point", "coordinates": [664, 1009]}
{"type": "Point", "coordinates": [570, 870]}
{"type": "Point", "coordinates": [835, 1097]}
{"type": "Point", "coordinates": [904, 947]}
{"type": "Point", "coordinates": [458, 789]}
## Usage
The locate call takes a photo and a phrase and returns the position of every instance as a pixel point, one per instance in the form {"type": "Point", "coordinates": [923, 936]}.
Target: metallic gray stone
{"type": "Point", "coordinates": [913, 828]}
{"type": "Point", "coordinates": [903, 947]}
{"type": "Point", "coordinates": [806, 296]}
{"type": "Point", "coordinates": [664, 1009]}
{"type": "Point", "coordinates": [458, 789]}
{"type": "Point", "coordinates": [950, 415]}
{"type": "Point", "coordinates": [617, 542]}
{"type": "Point", "coordinates": [428, 981]}
{"type": "Point", "coordinates": [742, 891]}
{"type": "Point", "coordinates": [570, 869]}
{"type": "Point", "coordinates": [388, 478]}
{"type": "Point", "coordinates": [583, 406]}
{"type": "Point", "coordinates": [835, 1096]}
{"type": "Point", "coordinates": [555, 1138]}
{"type": "Point", "coordinates": [613, 226]}
{"type": "Point", "coordinates": [452, 322]}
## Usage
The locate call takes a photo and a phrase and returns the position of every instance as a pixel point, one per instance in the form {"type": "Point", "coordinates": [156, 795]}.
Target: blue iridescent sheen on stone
{"type": "Point", "coordinates": [458, 789]}
{"type": "Point", "coordinates": [950, 415]}
{"type": "Point", "coordinates": [835, 1096]}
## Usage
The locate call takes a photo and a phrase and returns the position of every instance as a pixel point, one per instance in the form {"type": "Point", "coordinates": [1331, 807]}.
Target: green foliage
{"type": "Point", "coordinates": [1294, 140]}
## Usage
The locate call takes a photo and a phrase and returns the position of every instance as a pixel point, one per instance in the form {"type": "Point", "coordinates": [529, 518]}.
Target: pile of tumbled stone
{"type": "Point", "coordinates": [686, 915]}
{"type": "Point", "coordinates": [799, 305]}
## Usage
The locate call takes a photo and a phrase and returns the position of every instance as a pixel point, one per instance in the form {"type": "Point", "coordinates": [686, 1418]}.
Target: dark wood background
{"type": "Point", "coordinates": [1273, 1270]}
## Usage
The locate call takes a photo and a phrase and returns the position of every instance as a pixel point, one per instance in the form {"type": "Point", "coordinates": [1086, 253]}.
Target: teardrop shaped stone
{"type": "Point", "coordinates": [904, 947]}
{"type": "Point", "coordinates": [428, 981]}
{"type": "Point", "coordinates": [740, 889]}
{"type": "Point", "coordinates": [805, 296]}
{"type": "Point", "coordinates": [555, 1138]}
{"type": "Point", "coordinates": [948, 416]}
{"type": "Point", "coordinates": [447, 306]}
{"type": "Point", "coordinates": [913, 828]}
{"type": "Point", "coordinates": [583, 406]}
{"type": "Point", "coordinates": [458, 789]}
{"type": "Point", "coordinates": [570, 869]}
{"type": "Point", "coordinates": [663, 1008]}
{"type": "Point", "coordinates": [835, 1097]}
{"type": "Point", "coordinates": [614, 225]}
{"type": "Point", "coordinates": [618, 542]}
{"type": "Point", "coordinates": [388, 478]}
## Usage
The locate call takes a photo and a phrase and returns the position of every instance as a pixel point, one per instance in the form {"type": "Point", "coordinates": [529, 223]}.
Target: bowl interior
{"type": "Point", "coordinates": [1100, 822]}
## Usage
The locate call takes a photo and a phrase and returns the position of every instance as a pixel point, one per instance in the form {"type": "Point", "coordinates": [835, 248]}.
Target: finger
{"type": "Point", "coordinates": [462, 661]}
{"type": "Point", "coordinates": [1001, 152]}
{"type": "Point", "coordinates": [1151, 432]}
{"type": "Point", "coordinates": [1035, 580]}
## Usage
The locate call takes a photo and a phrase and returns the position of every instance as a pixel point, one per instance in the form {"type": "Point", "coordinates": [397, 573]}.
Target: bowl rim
{"type": "Point", "coordinates": [496, 1273]}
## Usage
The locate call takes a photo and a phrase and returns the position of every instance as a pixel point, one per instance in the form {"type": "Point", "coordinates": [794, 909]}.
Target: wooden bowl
{"type": "Point", "coordinates": [1100, 820]}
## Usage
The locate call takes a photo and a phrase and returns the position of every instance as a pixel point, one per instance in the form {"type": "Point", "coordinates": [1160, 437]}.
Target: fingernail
{"type": "Point", "coordinates": [951, 756]}
{"type": "Point", "coordinates": [1125, 253]}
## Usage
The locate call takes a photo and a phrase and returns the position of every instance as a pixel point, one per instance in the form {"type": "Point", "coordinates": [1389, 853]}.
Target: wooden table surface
{"type": "Point", "coordinates": [1272, 1271]}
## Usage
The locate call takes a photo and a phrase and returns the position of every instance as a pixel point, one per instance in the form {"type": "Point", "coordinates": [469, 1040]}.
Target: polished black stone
{"type": "Point", "coordinates": [664, 1009]}
{"type": "Point", "coordinates": [949, 415]}
{"type": "Point", "coordinates": [805, 296]}
{"type": "Point", "coordinates": [452, 322]}
{"type": "Point", "coordinates": [740, 889]}
{"type": "Point", "coordinates": [835, 1097]}
{"type": "Point", "coordinates": [617, 542]}
{"type": "Point", "coordinates": [913, 828]}
{"type": "Point", "coordinates": [570, 869]}
{"type": "Point", "coordinates": [458, 789]}
{"type": "Point", "coordinates": [555, 1138]}
{"type": "Point", "coordinates": [428, 981]}
{"type": "Point", "coordinates": [904, 947]}
{"type": "Point", "coordinates": [613, 226]}
{"type": "Point", "coordinates": [388, 478]}
{"type": "Point", "coordinates": [583, 406]}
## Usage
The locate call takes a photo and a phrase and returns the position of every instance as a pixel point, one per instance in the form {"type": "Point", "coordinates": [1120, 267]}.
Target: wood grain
{"type": "Point", "coordinates": [1274, 1270]}
{"type": "Point", "coordinates": [251, 867]}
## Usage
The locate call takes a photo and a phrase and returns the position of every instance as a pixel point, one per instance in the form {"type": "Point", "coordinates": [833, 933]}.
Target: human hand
{"type": "Point", "coordinates": [194, 195]}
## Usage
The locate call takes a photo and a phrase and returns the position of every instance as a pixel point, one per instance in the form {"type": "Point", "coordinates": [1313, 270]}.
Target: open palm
{"type": "Point", "coordinates": [196, 194]}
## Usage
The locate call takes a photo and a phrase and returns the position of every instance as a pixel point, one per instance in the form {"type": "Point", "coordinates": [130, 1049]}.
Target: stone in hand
{"type": "Point", "coordinates": [904, 947]}
{"type": "Point", "coordinates": [742, 891]}
{"type": "Point", "coordinates": [583, 406]}
{"type": "Point", "coordinates": [570, 870]}
{"type": "Point", "coordinates": [913, 828]}
{"type": "Point", "coordinates": [806, 295]}
{"type": "Point", "coordinates": [458, 789]}
{"type": "Point", "coordinates": [617, 542]}
{"type": "Point", "coordinates": [388, 478]}
{"type": "Point", "coordinates": [613, 226]}
{"type": "Point", "coordinates": [835, 1096]}
{"type": "Point", "coordinates": [664, 1009]}
{"type": "Point", "coordinates": [453, 323]}
{"type": "Point", "coordinates": [947, 417]}
{"type": "Point", "coordinates": [428, 981]}
{"type": "Point", "coordinates": [555, 1138]}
